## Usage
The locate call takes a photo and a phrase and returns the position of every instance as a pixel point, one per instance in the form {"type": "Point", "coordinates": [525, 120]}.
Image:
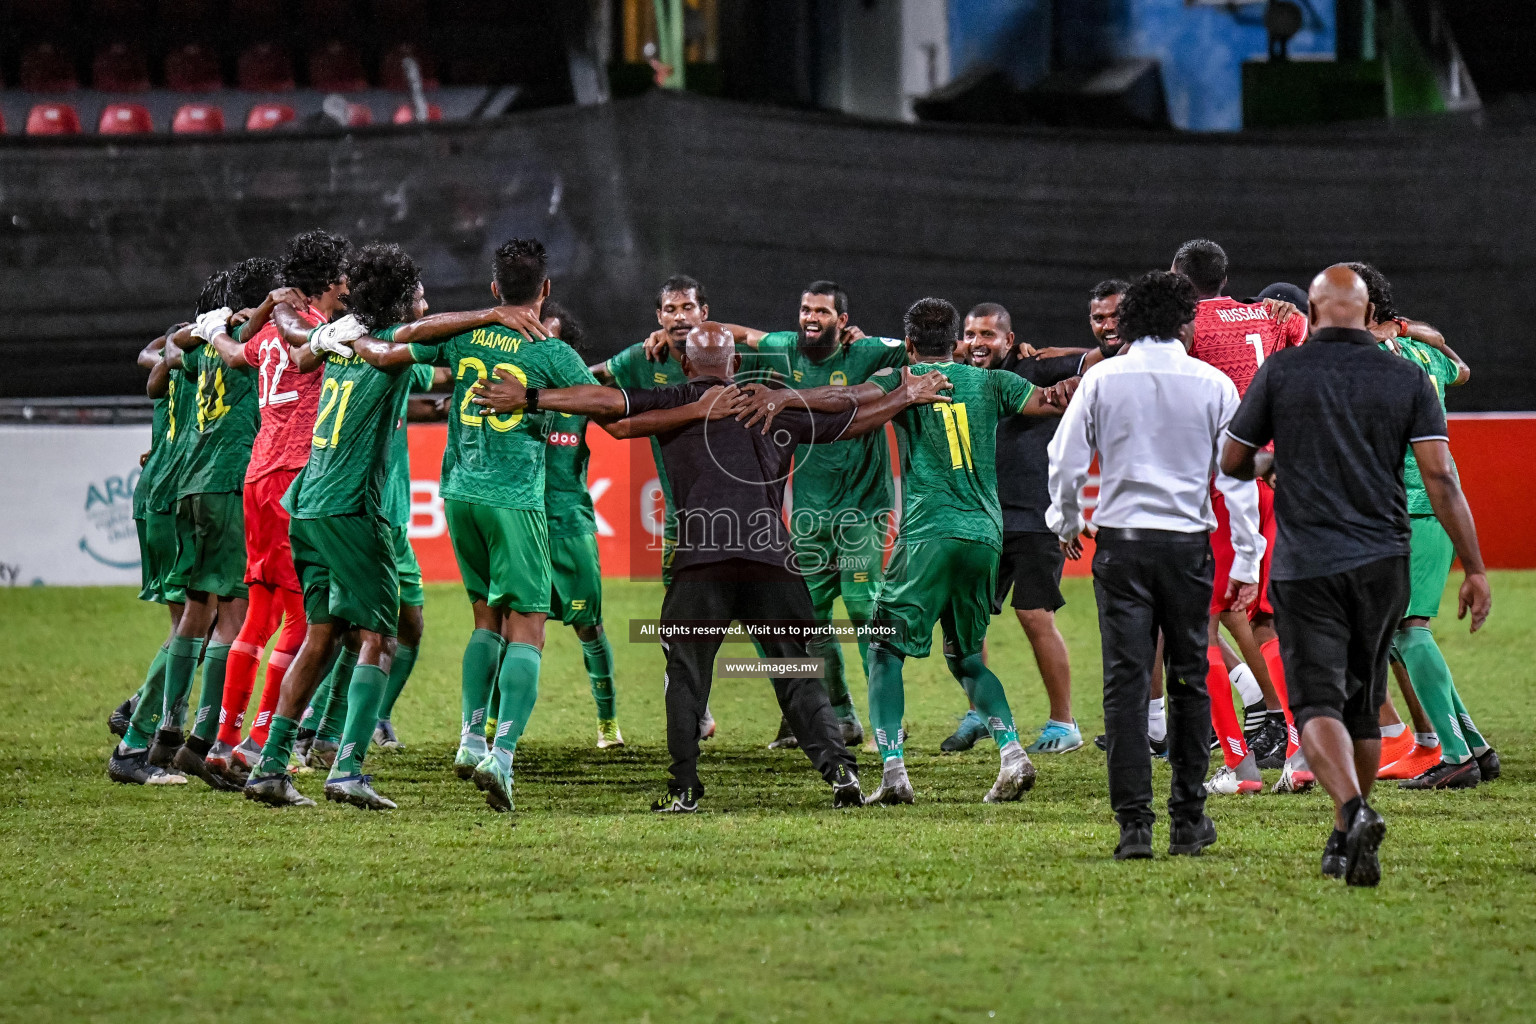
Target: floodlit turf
{"type": "Point", "coordinates": [187, 905]}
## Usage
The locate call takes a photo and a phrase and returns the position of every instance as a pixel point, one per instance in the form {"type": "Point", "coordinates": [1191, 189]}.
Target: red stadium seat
{"type": "Point", "coordinates": [405, 113]}
{"type": "Point", "coordinates": [47, 68]}
{"type": "Point", "coordinates": [53, 119]}
{"type": "Point", "coordinates": [120, 67]}
{"type": "Point", "coordinates": [264, 67]}
{"type": "Point", "coordinates": [2, 122]}
{"type": "Point", "coordinates": [198, 119]}
{"type": "Point", "coordinates": [266, 116]}
{"type": "Point", "coordinates": [359, 115]}
{"type": "Point", "coordinates": [125, 119]}
{"type": "Point", "coordinates": [392, 68]}
{"type": "Point", "coordinates": [336, 67]}
{"type": "Point", "coordinates": [193, 67]}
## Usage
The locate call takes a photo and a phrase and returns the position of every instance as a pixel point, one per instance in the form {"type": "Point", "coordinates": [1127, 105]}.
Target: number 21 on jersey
{"type": "Point", "coordinates": [957, 429]}
{"type": "Point", "coordinates": [333, 396]}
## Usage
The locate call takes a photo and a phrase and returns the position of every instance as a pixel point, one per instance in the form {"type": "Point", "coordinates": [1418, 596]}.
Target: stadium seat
{"type": "Point", "coordinates": [193, 67]}
{"type": "Point", "coordinates": [47, 68]}
{"type": "Point", "coordinates": [53, 119]}
{"type": "Point", "coordinates": [405, 113]}
{"type": "Point", "coordinates": [359, 115]}
{"type": "Point", "coordinates": [266, 116]}
{"type": "Point", "coordinates": [392, 68]}
{"type": "Point", "coordinates": [120, 67]}
{"type": "Point", "coordinates": [198, 119]}
{"type": "Point", "coordinates": [264, 67]}
{"type": "Point", "coordinates": [336, 67]}
{"type": "Point", "coordinates": [125, 119]}
{"type": "Point", "coordinates": [2, 122]}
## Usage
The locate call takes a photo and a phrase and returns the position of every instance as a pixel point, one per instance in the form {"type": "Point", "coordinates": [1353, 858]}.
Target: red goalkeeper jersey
{"type": "Point", "coordinates": [1236, 338]}
{"type": "Point", "coordinates": [287, 398]}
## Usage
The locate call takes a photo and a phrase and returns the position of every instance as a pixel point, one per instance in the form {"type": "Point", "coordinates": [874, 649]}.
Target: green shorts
{"type": "Point", "coordinates": [839, 554]}
{"type": "Point", "coordinates": [157, 557]}
{"type": "Point", "coordinates": [408, 569]}
{"type": "Point", "coordinates": [503, 554]}
{"type": "Point", "coordinates": [945, 581]}
{"type": "Point", "coordinates": [210, 545]}
{"type": "Point", "coordinates": [576, 580]}
{"type": "Point", "coordinates": [346, 565]}
{"type": "Point", "coordinates": [1429, 565]}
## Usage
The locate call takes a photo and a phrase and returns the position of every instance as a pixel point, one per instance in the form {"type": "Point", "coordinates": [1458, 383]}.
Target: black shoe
{"type": "Point", "coordinates": [1255, 717]}
{"type": "Point", "coordinates": [167, 742]}
{"type": "Point", "coordinates": [1135, 843]}
{"type": "Point", "coordinates": [1333, 855]}
{"type": "Point", "coordinates": [135, 770]}
{"type": "Point", "coordinates": [1269, 745]}
{"type": "Point", "coordinates": [190, 762]}
{"type": "Point", "coordinates": [1488, 764]}
{"type": "Point", "coordinates": [1189, 839]}
{"type": "Point", "coordinates": [1159, 747]}
{"type": "Point", "coordinates": [117, 721]}
{"type": "Point", "coordinates": [1446, 775]}
{"type": "Point", "coordinates": [845, 788]}
{"type": "Point", "coordinates": [785, 740]}
{"type": "Point", "coordinates": [686, 802]}
{"type": "Point", "coordinates": [276, 791]}
{"type": "Point", "coordinates": [1366, 831]}
{"type": "Point", "coordinates": [1102, 742]}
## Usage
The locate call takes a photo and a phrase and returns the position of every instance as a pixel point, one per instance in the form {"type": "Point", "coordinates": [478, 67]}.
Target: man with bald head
{"type": "Point", "coordinates": [1341, 412]}
{"type": "Point", "coordinates": [733, 561]}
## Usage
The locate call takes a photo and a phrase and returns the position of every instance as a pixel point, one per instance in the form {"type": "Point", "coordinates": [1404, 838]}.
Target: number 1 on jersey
{"type": "Point", "coordinates": [1257, 341]}
{"type": "Point", "coordinates": [957, 428]}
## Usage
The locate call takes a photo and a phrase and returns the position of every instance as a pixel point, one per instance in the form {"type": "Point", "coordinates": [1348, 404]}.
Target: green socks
{"type": "Point", "coordinates": [179, 669]}
{"type": "Point", "coordinates": [399, 674]}
{"type": "Point", "coordinates": [597, 654]}
{"type": "Point", "coordinates": [205, 724]}
{"type": "Point", "coordinates": [278, 748]}
{"type": "Point", "coordinates": [482, 657]}
{"type": "Point", "coordinates": [987, 697]}
{"type": "Point", "coordinates": [832, 676]}
{"type": "Point", "coordinates": [333, 711]}
{"type": "Point", "coordinates": [146, 714]}
{"type": "Point", "coordinates": [1431, 679]}
{"type": "Point", "coordinates": [518, 685]}
{"type": "Point", "coordinates": [887, 700]}
{"type": "Point", "coordinates": [365, 692]}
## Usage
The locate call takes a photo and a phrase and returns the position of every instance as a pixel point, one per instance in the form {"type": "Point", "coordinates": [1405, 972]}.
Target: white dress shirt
{"type": "Point", "coordinates": [1156, 417]}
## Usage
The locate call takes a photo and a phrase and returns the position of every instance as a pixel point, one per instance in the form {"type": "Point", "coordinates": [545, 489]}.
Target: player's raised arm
{"type": "Point", "coordinates": [446, 325]}
{"type": "Point", "coordinates": [914, 389]}
{"type": "Point", "coordinates": [764, 402]}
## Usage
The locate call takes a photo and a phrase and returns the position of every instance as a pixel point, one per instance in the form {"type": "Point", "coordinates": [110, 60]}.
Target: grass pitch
{"type": "Point", "coordinates": [187, 905]}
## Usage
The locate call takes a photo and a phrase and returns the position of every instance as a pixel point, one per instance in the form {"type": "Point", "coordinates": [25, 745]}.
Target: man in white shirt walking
{"type": "Point", "coordinates": [1155, 417]}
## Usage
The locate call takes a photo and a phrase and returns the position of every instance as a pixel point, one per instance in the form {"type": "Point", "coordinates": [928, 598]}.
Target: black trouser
{"type": "Point", "coordinates": [747, 592]}
{"type": "Point", "coordinates": [1146, 581]}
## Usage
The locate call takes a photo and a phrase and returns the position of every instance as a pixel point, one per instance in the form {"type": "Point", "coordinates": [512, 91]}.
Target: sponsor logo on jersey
{"type": "Point", "coordinates": [838, 377]}
{"type": "Point", "coordinates": [564, 439]}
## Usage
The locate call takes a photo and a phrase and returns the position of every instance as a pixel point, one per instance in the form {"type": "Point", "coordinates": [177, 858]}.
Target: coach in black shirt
{"type": "Point", "coordinates": [733, 560]}
{"type": "Point", "coordinates": [1341, 413]}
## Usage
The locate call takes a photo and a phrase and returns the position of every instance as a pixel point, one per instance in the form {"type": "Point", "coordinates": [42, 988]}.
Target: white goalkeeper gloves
{"type": "Point", "coordinates": [332, 338]}
{"type": "Point", "coordinates": [212, 322]}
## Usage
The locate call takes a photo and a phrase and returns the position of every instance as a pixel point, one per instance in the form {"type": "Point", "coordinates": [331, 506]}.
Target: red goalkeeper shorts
{"type": "Point", "coordinates": [1221, 547]}
{"type": "Point", "coordinates": [268, 557]}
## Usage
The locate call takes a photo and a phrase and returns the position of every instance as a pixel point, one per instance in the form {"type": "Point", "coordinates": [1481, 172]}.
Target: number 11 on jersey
{"type": "Point", "coordinates": [957, 428]}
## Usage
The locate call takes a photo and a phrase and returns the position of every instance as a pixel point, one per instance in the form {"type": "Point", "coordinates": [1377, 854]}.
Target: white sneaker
{"type": "Point", "coordinates": [1226, 783]}
{"type": "Point", "coordinates": [1294, 779]}
{"type": "Point", "coordinates": [1015, 778]}
{"type": "Point", "coordinates": [895, 787]}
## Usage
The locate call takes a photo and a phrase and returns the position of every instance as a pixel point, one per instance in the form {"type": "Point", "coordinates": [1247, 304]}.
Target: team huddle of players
{"type": "Point", "coordinates": [275, 498]}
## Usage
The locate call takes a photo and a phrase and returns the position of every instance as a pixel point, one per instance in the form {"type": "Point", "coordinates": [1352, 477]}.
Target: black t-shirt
{"type": "Point", "coordinates": [1341, 413]}
{"type": "Point", "coordinates": [1023, 465]}
{"type": "Point", "coordinates": [728, 480]}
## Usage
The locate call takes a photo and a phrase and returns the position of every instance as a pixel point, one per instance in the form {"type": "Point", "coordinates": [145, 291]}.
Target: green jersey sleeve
{"type": "Point", "coordinates": [628, 367]}
{"type": "Point", "coordinates": [430, 355]}
{"type": "Point", "coordinates": [566, 368]}
{"type": "Point", "coordinates": [421, 377]}
{"type": "Point", "coordinates": [1012, 391]}
{"type": "Point", "coordinates": [886, 379]}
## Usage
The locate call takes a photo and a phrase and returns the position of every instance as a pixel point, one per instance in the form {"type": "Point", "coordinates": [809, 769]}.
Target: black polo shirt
{"type": "Point", "coordinates": [728, 480]}
{"type": "Point", "coordinates": [1023, 463]}
{"type": "Point", "coordinates": [1341, 412]}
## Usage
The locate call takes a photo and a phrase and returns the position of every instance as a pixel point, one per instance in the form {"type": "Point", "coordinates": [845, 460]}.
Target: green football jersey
{"type": "Point", "coordinates": [227, 418]}
{"type": "Point", "coordinates": [397, 498]}
{"type": "Point", "coordinates": [1441, 372]}
{"type": "Point", "coordinates": [498, 459]}
{"type": "Point", "coordinates": [180, 436]}
{"type": "Point", "coordinates": [157, 448]}
{"type": "Point", "coordinates": [350, 467]}
{"type": "Point", "coordinates": [631, 369]}
{"type": "Point", "coordinates": [567, 502]}
{"type": "Point", "coordinates": [948, 453]}
{"type": "Point", "coordinates": [853, 474]}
